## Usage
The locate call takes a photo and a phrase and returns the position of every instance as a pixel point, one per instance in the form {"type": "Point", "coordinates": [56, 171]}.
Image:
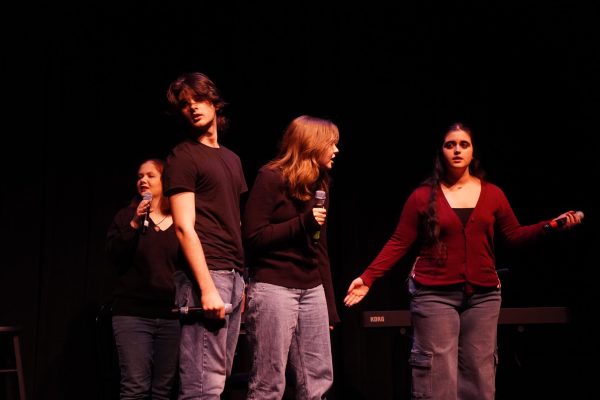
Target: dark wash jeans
{"type": "Point", "coordinates": [148, 351]}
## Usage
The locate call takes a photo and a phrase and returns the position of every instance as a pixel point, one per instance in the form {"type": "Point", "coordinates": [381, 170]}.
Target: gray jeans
{"type": "Point", "coordinates": [207, 346]}
{"type": "Point", "coordinates": [454, 351]}
{"type": "Point", "coordinates": [284, 322]}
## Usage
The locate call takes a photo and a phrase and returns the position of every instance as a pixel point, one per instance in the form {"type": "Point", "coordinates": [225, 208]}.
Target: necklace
{"type": "Point", "coordinates": [452, 188]}
{"type": "Point", "coordinates": [156, 224]}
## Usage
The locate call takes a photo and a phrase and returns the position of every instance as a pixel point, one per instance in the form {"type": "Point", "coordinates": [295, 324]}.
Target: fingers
{"type": "Point", "coordinates": [143, 207]}
{"type": "Point", "coordinates": [217, 312]}
{"type": "Point", "coordinates": [576, 217]}
{"type": "Point", "coordinates": [351, 288]}
{"type": "Point", "coordinates": [320, 215]}
{"type": "Point", "coordinates": [213, 306]}
{"type": "Point", "coordinates": [573, 218]}
{"type": "Point", "coordinates": [356, 292]}
{"type": "Point", "coordinates": [353, 298]}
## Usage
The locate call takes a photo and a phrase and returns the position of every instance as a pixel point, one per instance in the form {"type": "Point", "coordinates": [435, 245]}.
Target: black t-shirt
{"type": "Point", "coordinates": [216, 177]}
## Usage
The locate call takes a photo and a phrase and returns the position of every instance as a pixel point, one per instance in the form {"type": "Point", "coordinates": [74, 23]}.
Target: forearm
{"type": "Point", "coordinates": [194, 254]}
{"type": "Point", "coordinates": [121, 237]}
{"type": "Point", "coordinates": [264, 234]}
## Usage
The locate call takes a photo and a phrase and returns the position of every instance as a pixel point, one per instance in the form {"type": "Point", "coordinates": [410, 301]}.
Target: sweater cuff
{"type": "Point", "coordinates": [367, 280]}
{"type": "Point", "coordinates": [129, 233]}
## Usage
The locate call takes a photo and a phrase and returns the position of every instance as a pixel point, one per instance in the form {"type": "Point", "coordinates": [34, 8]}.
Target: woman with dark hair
{"type": "Point", "coordinates": [291, 306]}
{"type": "Point", "coordinates": [142, 243]}
{"type": "Point", "coordinates": [453, 285]}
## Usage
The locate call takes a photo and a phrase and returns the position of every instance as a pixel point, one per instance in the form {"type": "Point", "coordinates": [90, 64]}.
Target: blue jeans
{"type": "Point", "coordinates": [148, 350]}
{"type": "Point", "coordinates": [207, 345]}
{"type": "Point", "coordinates": [454, 352]}
{"type": "Point", "coordinates": [281, 323]}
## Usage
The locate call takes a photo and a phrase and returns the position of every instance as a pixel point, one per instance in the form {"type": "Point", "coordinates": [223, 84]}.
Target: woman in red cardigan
{"type": "Point", "coordinates": [454, 289]}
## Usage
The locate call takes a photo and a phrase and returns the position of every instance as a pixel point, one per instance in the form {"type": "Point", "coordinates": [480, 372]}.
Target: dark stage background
{"type": "Point", "coordinates": [84, 103]}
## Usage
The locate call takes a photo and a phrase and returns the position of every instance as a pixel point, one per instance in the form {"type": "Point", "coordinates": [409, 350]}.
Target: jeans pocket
{"type": "Point", "coordinates": [413, 287]}
{"type": "Point", "coordinates": [420, 363]}
{"type": "Point", "coordinates": [183, 290]}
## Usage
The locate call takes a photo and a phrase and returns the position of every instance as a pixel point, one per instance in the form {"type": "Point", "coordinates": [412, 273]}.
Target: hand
{"type": "Point", "coordinates": [572, 218]}
{"type": "Point", "coordinates": [212, 305]}
{"type": "Point", "coordinates": [140, 211]}
{"type": "Point", "coordinates": [320, 215]}
{"type": "Point", "coordinates": [356, 292]}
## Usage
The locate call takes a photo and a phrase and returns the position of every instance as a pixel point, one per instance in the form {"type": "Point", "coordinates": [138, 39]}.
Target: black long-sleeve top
{"type": "Point", "coordinates": [146, 263]}
{"type": "Point", "coordinates": [278, 235]}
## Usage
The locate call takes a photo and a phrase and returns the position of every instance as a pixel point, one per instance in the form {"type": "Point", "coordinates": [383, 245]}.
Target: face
{"type": "Point", "coordinates": [149, 179]}
{"type": "Point", "coordinates": [458, 149]}
{"type": "Point", "coordinates": [199, 113]}
{"type": "Point", "coordinates": [327, 157]}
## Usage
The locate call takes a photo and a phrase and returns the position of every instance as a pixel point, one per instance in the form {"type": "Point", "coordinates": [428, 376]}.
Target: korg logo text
{"type": "Point", "coordinates": [377, 318]}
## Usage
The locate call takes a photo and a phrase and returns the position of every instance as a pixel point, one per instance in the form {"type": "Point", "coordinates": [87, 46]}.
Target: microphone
{"type": "Point", "coordinates": [185, 310]}
{"type": "Point", "coordinates": [146, 222]}
{"type": "Point", "coordinates": [320, 197]}
{"type": "Point", "coordinates": [561, 221]}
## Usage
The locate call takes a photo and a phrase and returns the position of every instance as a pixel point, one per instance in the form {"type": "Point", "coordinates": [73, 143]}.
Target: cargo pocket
{"type": "Point", "coordinates": [420, 363]}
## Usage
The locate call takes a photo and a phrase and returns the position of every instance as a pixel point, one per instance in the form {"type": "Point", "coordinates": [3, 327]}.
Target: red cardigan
{"type": "Point", "coordinates": [470, 249]}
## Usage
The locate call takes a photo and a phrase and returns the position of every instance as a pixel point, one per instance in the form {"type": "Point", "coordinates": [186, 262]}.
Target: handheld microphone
{"type": "Point", "coordinates": [146, 222]}
{"type": "Point", "coordinates": [561, 221]}
{"type": "Point", "coordinates": [320, 197]}
{"type": "Point", "coordinates": [185, 310]}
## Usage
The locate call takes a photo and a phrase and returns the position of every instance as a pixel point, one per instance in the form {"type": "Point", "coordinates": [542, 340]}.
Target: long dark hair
{"type": "Point", "coordinates": [432, 223]}
{"type": "Point", "coordinates": [199, 87]}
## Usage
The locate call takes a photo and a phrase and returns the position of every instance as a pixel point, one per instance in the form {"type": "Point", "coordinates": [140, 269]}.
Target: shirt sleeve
{"type": "Point", "coordinates": [121, 238]}
{"type": "Point", "coordinates": [258, 229]}
{"type": "Point", "coordinates": [509, 228]}
{"type": "Point", "coordinates": [179, 174]}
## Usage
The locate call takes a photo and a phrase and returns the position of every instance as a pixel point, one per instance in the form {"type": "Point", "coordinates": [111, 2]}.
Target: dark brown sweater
{"type": "Point", "coordinates": [278, 235]}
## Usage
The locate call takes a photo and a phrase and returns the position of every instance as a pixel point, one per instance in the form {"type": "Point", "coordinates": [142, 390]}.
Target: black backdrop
{"type": "Point", "coordinates": [84, 104]}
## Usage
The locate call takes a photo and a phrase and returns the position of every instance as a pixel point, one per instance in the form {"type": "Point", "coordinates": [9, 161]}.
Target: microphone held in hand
{"type": "Point", "coordinates": [320, 197]}
{"type": "Point", "coordinates": [561, 221]}
{"type": "Point", "coordinates": [146, 221]}
{"type": "Point", "coordinates": [197, 310]}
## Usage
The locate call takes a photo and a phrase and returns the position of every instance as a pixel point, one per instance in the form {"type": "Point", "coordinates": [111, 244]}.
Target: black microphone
{"type": "Point", "coordinates": [185, 310]}
{"type": "Point", "coordinates": [146, 221]}
{"type": "Point", "coordinates": [320, 197]}
{"type": "Point", "coordinates": [561, 221]}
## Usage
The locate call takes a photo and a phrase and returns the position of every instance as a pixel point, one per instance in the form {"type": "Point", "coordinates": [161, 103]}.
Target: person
{"type": "Point", "coordinates": [454, 289]}
{"type": "Point", "coordinates": [145, 330]}
{"type": "Point", "coordinates": [204, 182]}
{"type": "Point", "coordinates": [290, 301]}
